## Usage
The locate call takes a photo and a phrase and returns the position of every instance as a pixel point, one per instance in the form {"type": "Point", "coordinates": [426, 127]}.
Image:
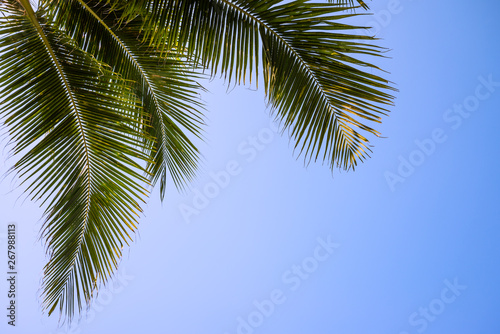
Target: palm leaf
{"type": "Point", "coordinates": [325, 96]}
{"type": "Point", "coordinates": [75, 122]}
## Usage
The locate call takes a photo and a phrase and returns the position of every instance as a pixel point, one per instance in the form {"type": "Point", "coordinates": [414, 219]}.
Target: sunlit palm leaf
{"type": "Point", "coordinates": [72, 119]}
{"type": "Point", "coordinates": [323, 95]}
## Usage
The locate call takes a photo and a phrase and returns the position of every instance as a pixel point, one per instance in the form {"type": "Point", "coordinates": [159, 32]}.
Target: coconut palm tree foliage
{"type": "Point", "coordinates": [100, 100]}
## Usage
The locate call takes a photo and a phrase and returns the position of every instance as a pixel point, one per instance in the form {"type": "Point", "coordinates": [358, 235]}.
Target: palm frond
{"type": "Point", "coordinates": [75, 122]}
{"type": "Point", "coordinates": [322, 93]}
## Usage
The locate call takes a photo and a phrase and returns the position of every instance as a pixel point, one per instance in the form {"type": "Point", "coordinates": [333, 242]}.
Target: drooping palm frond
{"type": "Point", "coordinates": [322, 93]}
{"type": "Point", "coordinates": [75, 122]}
{"type": "Point", "coordinates": [165, 85]}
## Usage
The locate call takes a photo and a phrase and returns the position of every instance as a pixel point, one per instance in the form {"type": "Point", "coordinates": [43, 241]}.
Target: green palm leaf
{"type": "Point", "coordinates": [321, 93]}
{"type": "Point", "coordinates": [76, 123]}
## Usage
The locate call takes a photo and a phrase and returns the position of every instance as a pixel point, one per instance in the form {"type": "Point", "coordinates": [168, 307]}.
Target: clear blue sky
{"type": "Point", "coordinates": [406, 244]}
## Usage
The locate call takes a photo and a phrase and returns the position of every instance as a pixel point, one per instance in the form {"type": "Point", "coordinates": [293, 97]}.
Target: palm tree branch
{"type": "Point", "coordinates": [300, 37]}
